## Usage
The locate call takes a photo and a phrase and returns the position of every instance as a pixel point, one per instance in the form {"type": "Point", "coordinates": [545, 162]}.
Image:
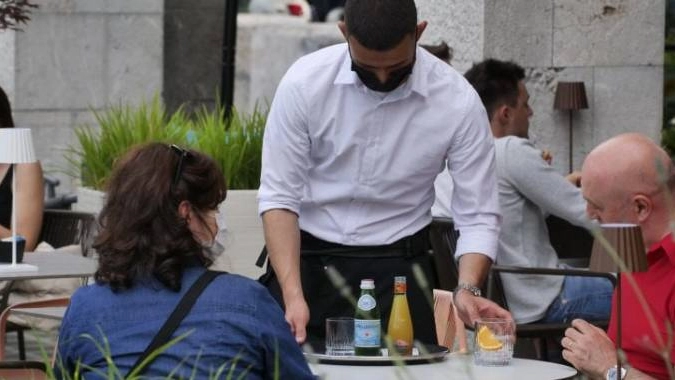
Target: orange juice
{"type": "Point", "coordinates": [400, 329]}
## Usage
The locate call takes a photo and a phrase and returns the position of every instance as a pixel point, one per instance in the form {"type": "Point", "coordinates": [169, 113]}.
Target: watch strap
{"type": "Point", "coordinates": [468, 287]}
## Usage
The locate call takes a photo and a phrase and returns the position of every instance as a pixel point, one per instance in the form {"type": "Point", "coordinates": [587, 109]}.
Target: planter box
{"type": "Point", "coordinates": [244, 239]}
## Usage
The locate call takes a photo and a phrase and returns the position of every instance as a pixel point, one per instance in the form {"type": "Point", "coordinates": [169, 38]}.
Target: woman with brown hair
{"type": "Point", "coordinates": [157, 222]}
{"type": "Point", "coordinates": [30, 190]}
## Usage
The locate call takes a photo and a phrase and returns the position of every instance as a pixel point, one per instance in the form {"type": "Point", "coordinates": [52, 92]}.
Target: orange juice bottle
{"type": "Point", "coordinates": [400, 329]}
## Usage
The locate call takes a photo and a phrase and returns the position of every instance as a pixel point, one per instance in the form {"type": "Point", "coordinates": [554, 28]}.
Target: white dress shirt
{"type": "Point", "coordinates": [358, 166]}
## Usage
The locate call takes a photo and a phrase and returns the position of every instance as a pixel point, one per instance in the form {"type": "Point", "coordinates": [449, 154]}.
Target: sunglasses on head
{"type": "Point", "coordinates": [182, 154]}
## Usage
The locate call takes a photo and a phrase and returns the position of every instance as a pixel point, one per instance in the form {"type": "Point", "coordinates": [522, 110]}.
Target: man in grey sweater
{"type": "Point", "coordinates": [529, 190]}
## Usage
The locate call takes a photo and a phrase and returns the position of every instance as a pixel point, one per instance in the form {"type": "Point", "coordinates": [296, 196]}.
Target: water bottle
{"type": "Point", "coordinates": [367, 329]}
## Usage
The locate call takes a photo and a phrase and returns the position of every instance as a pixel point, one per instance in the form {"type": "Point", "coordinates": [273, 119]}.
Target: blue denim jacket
{"type": "Point", "coordinates": [235, 327]}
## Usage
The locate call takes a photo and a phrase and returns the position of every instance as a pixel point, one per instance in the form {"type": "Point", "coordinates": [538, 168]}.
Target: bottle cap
{"type": "Point", "coordinates": [399, 284]}
{"type": "Point", "coordinates": [367, 283]}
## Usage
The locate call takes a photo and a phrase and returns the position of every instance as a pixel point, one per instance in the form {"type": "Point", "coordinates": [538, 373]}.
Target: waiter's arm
{"type": "Point", "coordinates": [475, 210]}
{"type": "Point", "coordinates": [282, 237]}
{"type": "Point", "coordinates": [474, 268]}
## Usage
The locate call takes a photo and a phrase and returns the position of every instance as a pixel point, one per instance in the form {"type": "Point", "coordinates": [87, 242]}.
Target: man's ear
{"type": "Point", "coordinates": [502, 114]}
{"type": "Point", "coordinates": [642, 206]}
{"type": "Point", "coordinates": [420, 29]}
{"type": "Point", "coordinates": [343, 29]}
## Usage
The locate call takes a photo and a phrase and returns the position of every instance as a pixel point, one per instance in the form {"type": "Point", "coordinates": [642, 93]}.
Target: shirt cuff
{"type": "Point", "coordinates": [483, 241]}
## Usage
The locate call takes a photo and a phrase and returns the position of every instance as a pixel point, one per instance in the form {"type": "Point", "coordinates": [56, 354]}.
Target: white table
{"type": "Point", "coordinates": [52, 265]}
{"type": "Point", "coordinates": [455, 366]}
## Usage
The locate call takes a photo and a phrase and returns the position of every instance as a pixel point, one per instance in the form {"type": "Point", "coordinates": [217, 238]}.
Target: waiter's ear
{"type": "Point", "coordinates": [420, 29]}
{"type": "Point", "coordinates": [343, 29]}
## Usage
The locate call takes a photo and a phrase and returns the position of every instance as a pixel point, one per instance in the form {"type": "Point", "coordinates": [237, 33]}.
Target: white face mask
{"type": "Point", "coordinates": [217, 245]}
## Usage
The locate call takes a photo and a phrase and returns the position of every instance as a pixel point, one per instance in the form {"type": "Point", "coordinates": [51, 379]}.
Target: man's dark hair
{"type": "Point", "coordinates": [496, 83]}
{"type": "Point", "coordinates": [6, 120]}
{"type": "Point", "coordinates": [380, 24]}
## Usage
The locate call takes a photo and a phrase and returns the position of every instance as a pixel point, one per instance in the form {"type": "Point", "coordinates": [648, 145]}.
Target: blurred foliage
{"type": "Point", "coordinates": [14, 12]}
{"type": "Point", "coordinates": [668, 132]}
{"type": "Point", "coordinates": [235, 142]}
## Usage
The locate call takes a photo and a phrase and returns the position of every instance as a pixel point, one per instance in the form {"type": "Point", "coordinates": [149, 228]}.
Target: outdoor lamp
{"type": "Point", "coordinates": [570, 96]}
{"type": "Point", "coordinates": [16, 147]}
{"type": "Point", "coordinates": [626, 241]}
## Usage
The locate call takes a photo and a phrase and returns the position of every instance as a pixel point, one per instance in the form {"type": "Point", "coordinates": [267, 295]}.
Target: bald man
{"type": "Point", "coordinates": [630, 179]}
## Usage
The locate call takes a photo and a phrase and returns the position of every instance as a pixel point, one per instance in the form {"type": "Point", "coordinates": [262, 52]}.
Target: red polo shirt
{"type": "Point", "coordinates": [639, 340]}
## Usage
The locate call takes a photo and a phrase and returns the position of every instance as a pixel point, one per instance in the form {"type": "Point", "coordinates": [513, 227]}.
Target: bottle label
{"type": "Point", "coordinates": [366, 302]}
{"type": "Point", "coordinates": [366, 333]}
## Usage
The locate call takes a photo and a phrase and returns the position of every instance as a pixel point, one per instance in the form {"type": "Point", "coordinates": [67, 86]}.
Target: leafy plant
{"type": "Point", "coordinates": [235, 142]}
{"type": "Point", "coordinates": [14, 12]}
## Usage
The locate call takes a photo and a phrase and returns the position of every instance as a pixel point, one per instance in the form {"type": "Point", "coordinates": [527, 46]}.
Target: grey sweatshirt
{"type": "Point", "coordinates": [529, 190]}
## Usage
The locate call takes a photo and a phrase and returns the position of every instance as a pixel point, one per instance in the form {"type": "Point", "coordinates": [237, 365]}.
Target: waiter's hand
{"type": "Point", "coordinates": [297, 316]}
{"type": "Point", "coordinates": [472, 308]}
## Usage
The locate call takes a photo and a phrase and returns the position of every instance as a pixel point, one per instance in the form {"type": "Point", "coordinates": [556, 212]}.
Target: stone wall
{"type": "Point", "coordinates": [614, 46]}
{"type": "Point", "coordinates": [266, 47]}
{"type": "Point", "coordinates": [75, 56]}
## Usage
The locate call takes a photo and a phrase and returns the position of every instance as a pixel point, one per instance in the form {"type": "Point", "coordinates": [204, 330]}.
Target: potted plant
{"type": "Point", "coordinates": [234, 142]}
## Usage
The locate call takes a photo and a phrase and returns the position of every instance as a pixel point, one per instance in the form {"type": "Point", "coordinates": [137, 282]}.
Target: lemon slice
{"type": "Point", "coordinates": [487, 340]}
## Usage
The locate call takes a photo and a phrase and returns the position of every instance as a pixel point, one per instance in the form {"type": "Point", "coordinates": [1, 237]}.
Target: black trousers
{"type": "Point", "coordinates": [380, 263]}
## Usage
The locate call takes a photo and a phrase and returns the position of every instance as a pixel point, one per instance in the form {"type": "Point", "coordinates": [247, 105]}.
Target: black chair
{"type": "Point", "coordinates": [539, 331]}
{"type": "Point", "coordinates": [573, 244]}
{"type": "Point", "coordinates": [443, 238]}
{"type": "Point", "coordinates": [59, 228]}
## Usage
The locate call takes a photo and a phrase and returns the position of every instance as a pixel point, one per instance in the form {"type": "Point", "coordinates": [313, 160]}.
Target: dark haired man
{"type": "Point", "coordinates": [529, 190]}
{"type": "Point", "coordinates": [356, 135]}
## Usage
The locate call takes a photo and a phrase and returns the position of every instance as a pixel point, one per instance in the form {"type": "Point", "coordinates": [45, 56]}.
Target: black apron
{"type": "Point", "coordinates": [355, 263]}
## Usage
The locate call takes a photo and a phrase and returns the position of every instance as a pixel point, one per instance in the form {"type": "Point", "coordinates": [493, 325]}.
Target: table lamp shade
{"type": "Point", "coordinates": [626, 240]}
{"type": "Point", "coordinates": [16, 146]}
{"type": "Point", "coordinates": [570, 96]}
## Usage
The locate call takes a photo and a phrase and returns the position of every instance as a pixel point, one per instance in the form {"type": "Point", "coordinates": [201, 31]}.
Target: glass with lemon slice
{"type": "Point", "coordinates": [494, 339]}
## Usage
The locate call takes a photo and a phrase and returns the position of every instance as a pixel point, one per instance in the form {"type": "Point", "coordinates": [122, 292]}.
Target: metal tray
{"type": "Point", "coordinates": [422, 354]}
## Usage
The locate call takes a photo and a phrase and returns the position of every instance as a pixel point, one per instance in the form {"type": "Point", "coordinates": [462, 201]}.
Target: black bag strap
{"type": "Point", "coordinates": [182, 309]}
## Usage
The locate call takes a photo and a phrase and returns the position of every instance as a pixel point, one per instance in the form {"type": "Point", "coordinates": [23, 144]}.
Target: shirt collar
{"type": "Point", "coordinates": [417, 79]}
{"type": "Point", "coordinates": [664, 247]}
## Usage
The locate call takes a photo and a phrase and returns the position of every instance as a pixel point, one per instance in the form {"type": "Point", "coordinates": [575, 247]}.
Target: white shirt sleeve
{"type": "Point", "coordinates": [285, 150]}
{"type": "Point", "coordinates": [475, 203]}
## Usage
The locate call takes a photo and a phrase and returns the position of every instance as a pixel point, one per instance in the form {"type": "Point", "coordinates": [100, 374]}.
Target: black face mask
{"type": "Point", "coordinates": [395, 78]}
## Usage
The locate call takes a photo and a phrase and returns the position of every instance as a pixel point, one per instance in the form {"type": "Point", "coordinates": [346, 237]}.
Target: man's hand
{"type": "Point", "coordinates": [297, 316]}
{"type": "Point", "coordinates": [547, 156]}
{"type": "Point", "coordinates": [471, 308]}
{"type": "Point", "coordinates": [588, 349]}
{"type": "Point", "coordinates": [574, 178]}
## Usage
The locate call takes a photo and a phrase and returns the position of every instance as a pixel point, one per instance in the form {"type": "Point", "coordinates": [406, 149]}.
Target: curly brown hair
{"type": "Point", "coordinates": [142, 234]}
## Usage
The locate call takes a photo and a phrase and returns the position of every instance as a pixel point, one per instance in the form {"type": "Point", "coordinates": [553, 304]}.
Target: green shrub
{"type": "Point", "coordinates": [235, 143]}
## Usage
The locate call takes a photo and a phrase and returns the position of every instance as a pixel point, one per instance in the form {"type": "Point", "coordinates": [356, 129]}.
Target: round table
{"type": "Point", "coordinates": [455, 366]}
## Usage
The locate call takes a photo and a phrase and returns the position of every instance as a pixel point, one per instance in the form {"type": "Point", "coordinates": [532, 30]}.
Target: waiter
{"type": "Point", "coordinates": [355, 137]}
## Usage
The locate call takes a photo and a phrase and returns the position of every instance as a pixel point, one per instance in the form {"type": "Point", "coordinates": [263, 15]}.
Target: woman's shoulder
{"type": "Point", "coordinates": [238, 283]}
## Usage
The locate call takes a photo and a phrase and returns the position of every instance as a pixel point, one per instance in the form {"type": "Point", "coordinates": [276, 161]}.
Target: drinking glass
{"type": "Point", "coordinates": [340, 336]}
{"type": "Point", "coordinates": [493, 342]}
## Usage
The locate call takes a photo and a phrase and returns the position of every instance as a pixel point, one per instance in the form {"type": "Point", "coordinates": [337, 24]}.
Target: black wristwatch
{"type": "Point", "coordinates": [470, 288]}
